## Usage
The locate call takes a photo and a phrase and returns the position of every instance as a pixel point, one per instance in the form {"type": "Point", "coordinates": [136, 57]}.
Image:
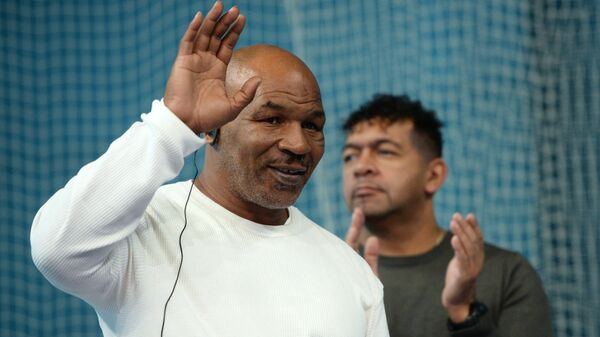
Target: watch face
{"type": "Point", "coordinates": [476, 310]}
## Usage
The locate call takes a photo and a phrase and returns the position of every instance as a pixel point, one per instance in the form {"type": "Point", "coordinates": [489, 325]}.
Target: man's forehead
{"type": "Point", "coordinates": [280, 99]}
{"type": "Point", "coordinates": [239, 72]}
{"type": "Point", "coordinates": [287, 108]}
{"type": "Point", "coordinates": [373, 133]}
{"type": "Point", "coordinates": [382, 126]}
{"type": "Point", "coordinates": [276, 67]}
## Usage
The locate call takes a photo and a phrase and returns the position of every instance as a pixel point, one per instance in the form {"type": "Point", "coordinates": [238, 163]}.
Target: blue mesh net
{"type": "Point", "coordinates": [517, 84]}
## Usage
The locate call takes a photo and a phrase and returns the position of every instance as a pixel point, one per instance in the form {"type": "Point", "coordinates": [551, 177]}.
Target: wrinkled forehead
{"type": "Point", "coordinates": [290, 96]}
{"type": "Point", "coordinates": [280, 71]}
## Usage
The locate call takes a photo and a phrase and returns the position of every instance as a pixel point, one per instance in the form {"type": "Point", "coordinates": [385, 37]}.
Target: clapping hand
{"type": "Point", "coordinates": [464, 268]}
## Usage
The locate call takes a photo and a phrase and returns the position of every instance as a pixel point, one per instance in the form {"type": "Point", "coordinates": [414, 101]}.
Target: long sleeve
{"type": "Point", "coordinates": [78, 237]}
{"type": "Point", "coordinates": [523, 309]}
{"type": "Point", "coordinates": [526, 312]}
{"type": "Point", "coordinates": [377, 321]}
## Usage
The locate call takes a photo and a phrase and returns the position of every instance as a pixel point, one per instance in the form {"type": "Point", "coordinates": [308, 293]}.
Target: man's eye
{"type": "Point", "coordinates": [348, 157]}
{"type": "Point", "coordinates": [386, 153]}
{"type": "Point", "coordinates": [272, 120]}
{"type": "Point", "coordinates": [311, 126]}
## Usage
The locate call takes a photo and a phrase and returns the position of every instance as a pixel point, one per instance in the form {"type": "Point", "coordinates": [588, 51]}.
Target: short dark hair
{"type": "Point", "coordinates": [393, 108]}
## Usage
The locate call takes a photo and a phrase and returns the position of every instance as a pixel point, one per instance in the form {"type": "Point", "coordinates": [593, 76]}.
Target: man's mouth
{"type": "Point", "coordinates": [290, 175]}
{"type": "Point", "coordinates": [366, 190]}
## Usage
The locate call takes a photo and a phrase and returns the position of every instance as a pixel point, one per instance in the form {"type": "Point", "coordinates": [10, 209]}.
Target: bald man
{"type": "Point", "coordinates": [254, 265]}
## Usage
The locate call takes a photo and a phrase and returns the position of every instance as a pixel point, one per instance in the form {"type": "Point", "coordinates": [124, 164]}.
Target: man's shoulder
{"type": "Point", "coordinates": [494, 252]}
{"type": "Point", "coordinates": [508, 262]}
{"type": "Point", "coordinates": [174, 193]}
{"type": "Point", "coordinates": [174, 188]}
{"type": "Point", "coordinates": [339, 256]}
{"type": "Point", "coordinates": [317, 229]}
{"type": "Point", "coordinates": [318, 232]}
{"type": "Point", "coordinates": [509, 279]}
{"type": "Point", "coordinates": [168, 199]}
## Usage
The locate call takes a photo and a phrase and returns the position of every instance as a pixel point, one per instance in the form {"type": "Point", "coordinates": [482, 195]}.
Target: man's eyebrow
{"type": "Point", "coordinates": [278, 107]}
{"type": "Point", "coordinates": [272, 105]}
{"type": "Point", "coordinates": [318, 114]}
{"type": "Point", "coordinates": [350, 146]}
{"type": "Point", "coordinates": [264, 109]}
{"type": "Point", "coordinates": [373, 144]}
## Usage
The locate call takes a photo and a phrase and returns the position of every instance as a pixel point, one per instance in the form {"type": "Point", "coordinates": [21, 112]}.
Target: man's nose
{"type": "Point", "coordinates": [364, 165]}
{"type": "Point", "coordinates": [294, 141]}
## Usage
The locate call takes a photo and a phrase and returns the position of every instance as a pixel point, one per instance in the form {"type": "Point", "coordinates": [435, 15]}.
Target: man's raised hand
{"type": "Point", "coordinates": [196, 87]}
{"type": "Point", "coordinates": [464, 268]}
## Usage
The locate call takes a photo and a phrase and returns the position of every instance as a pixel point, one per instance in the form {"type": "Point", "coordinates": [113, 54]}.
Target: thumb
{"type": "Point", "coordinates": [245, 95]}
{"type": "Point", "coordinates": [372, 254]}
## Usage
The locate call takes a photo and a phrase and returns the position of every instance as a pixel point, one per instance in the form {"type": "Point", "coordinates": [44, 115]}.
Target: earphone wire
{"type": "Point", "coordinates": [180, 247]}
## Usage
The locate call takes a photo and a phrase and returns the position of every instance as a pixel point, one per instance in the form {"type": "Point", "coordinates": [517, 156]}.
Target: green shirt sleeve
{"type": "Point", "coordinates": [522, 310]}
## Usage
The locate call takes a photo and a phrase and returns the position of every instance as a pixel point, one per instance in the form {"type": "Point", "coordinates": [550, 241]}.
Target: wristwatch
{"type": "Point", "coordinates": [476, 310]}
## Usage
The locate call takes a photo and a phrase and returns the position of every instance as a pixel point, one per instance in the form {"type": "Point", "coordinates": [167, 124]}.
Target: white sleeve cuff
{"type": "Point", "coordinates": [171, 126]}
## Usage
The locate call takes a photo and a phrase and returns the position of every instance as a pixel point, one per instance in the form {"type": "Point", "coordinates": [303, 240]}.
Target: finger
{"type": "Point", "coordinates": [467, 229]}
{"type": "Point", "coordinates": [459, 253]}
{"type": "Point", "coordinates": [472, 239]}
{"type": "Point", "coordinates": [228, 42]}
{"type": "Point", "coordinates": [245, 95]}
{"type": "Point", "coordinates": [372, 254]}
{"type": "Point", "coordinates": [479, 239]}
{"type": "Point", "coordinates": [475, 225]}
{"type": "Point", "coordinates": [221, 28]}
{"type": "Point", "coordinates": [186, 45]}
{"type": "Point", "coordinates": [207, 27]}
{"type": "Point", "coordinates": [356, 225]}
{"type": "Point", "coordinates": [458, 243]}
{"type": "Point", "coordinates": [471, 253]}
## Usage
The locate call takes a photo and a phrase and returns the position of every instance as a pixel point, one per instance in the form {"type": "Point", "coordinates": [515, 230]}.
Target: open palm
{"type": "Point", "coordinates": [467, 263]}
{"type": "Point", "coordinates": [196, 87]}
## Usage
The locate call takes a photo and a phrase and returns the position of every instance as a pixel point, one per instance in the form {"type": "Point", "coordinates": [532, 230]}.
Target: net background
{"type": "Point", "coordinates": [517, 84]}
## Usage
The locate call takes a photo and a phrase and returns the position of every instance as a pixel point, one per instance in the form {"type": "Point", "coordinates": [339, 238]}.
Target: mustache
{"type": "Point", "coordinates": [370, 185]}
{"type": "Point", "coordinates": [291, 159]}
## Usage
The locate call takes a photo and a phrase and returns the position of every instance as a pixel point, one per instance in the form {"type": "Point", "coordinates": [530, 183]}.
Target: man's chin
{"type": "Point", "coordinates": [286, 195]}
{"type": "Point", "coordinates": [288, 189]}
{"type": "Point", "coordinates": [367, 205]}
{"type": "Point", "coordinates": [279, 198]}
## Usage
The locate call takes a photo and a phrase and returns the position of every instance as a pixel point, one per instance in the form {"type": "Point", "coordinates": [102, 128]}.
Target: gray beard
{"type": "Point", "coordinates": [251, 188]}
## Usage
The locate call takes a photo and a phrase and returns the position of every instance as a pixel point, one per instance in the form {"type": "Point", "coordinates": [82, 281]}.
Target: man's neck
{"type": "Point", "coordinates": [234, 204]}
{"type": "Point", "coordinates": [408, 235]}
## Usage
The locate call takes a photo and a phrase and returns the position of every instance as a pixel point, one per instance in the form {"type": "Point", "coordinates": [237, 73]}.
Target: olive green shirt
{"type": "Point", "coordinates": [508, 285]}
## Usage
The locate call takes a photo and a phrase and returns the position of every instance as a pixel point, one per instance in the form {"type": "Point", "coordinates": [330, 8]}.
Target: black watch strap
{"type": "Point", "coordinates": [476, 310]}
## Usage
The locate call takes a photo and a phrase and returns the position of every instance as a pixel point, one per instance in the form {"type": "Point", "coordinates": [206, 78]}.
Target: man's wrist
{"type": "Point", "coordinates": [476, 311]}
{"type": "Point", "coordinates": [458, 313]}
{"type": "Point", "coordinates": [172, 107]}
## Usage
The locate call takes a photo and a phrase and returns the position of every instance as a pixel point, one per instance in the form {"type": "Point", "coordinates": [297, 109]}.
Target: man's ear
{"type": "Point", "coordinates": [437, 171]}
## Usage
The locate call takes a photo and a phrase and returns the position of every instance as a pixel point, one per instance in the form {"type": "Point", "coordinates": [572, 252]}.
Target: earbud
{"type": "Point", "coordinates": [214, 134]}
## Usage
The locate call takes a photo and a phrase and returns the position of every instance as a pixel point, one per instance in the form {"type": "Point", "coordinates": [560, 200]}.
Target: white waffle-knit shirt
{"type": "Point", "coordinates": [110, 237]}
